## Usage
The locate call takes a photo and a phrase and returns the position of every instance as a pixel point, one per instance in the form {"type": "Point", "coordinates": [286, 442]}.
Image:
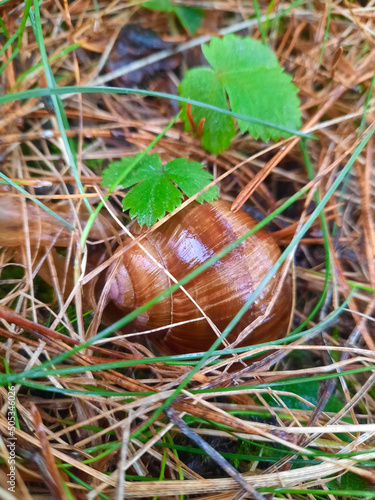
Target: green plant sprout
{"type": "Point", "coordinates": [247, 73]}
{"type": "Point", "coordinates": [158, 189]}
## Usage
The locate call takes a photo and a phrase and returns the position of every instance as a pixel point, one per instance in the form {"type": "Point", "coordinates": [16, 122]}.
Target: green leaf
{"type": "Point", "coordinates": [189, 17]}
{"type": "Point", "coordinates": [306, 391]}
{"type": "Point", "coordinates": [202, 84]}
{"type": "Point", "coordinates": [157, 189]}
{"type": "Point", "coordinates": [151, 199]}
{"type": "Point", "coordinates": [190, 177]}
{"type": "Point", "coordinates": [350, 481]}
{"type": "Point", "coordinates": [112, 174]}
{"type": "Point", "coordinates": [255, 83]}
{"type": "Point", "coordinates": [162, 5]}
{"type": "Point", "coordinates": [248, 73]}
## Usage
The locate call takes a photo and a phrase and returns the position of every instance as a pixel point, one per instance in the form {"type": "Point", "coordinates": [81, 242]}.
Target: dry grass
{"type": "Point", "coordinates": [95, 434]}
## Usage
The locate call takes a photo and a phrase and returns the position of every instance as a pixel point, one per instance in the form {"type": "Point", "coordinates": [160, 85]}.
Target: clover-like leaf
{"type": "Point", "coordinates": [248, 73]}
{"type": "Point", "coordinates": [116, 171]}
{"type": "Point", "coordinates": [151, 199]}
{"type": "Point", "coordinates": [190, 177]}
{"type": "Point", "coordinates": [157, 189]}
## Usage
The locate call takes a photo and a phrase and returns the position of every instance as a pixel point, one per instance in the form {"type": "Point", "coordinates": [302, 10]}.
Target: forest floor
{"type": "Point", "coordinates": [94, 415]}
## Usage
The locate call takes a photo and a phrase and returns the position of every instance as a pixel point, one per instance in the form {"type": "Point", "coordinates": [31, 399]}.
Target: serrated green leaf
{"type": "Point", "coordinates": [256, 84]}
{"type": "Point", "coordinates": [202, 84]}
{"type": "Point", "coordinates": [148, 166]}
{"type": "Point", "coordinates": [189, 17]}
{"type": "Point", "coordinates": [190, 177]}
{"type": "Point", "coordinates": [112, 174]}
{"type": "Point", "coordinates": [270, 108]}
{"type": "Point", "coordinates": [151, 199]}
{"type": "Point", "coordinates": [249, 73]}
{"type": "Point", "coordinates": [238, 54]}
{"type": "Point", "coordinates": [158, 189]}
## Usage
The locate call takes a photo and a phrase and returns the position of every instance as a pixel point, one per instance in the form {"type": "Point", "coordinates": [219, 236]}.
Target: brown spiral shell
{"type": "Point", "coordinates": [181, 245]}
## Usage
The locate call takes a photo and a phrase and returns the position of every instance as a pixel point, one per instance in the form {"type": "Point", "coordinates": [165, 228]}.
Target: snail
{"type": "Point", "coordinates": [179, 246]}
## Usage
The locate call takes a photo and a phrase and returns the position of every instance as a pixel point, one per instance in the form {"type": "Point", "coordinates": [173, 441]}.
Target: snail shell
{"type": "Point", "coordinates": [181, 245]}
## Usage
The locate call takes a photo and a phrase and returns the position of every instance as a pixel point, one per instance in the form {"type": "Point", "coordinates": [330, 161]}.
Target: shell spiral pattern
{"type": "Point", "coordinates": [181, 245]}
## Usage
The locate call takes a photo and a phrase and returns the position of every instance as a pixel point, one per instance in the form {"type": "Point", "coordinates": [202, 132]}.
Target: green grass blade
{"type": "Point", "coordinates": [64, 52]}
{"type": "Point", "coordinates": [26, 94]}
{"type": "Point", "coordinates": [324, 227]}
{"type": "Point", "coordinates": [9, 42]}
{"type": "Point", "coordinates": [4, 29]}
{"type": "Point", "coordinates": [85, 485]}
{"type": "Point", "coordinates": [5, 64]}
{"type": "Point", "coordinates": [56, 101]}
{"type": "Point", "coordinates": [23, 21]}
{"type": "Point", "coordinates": [261, 27]}
{"type": "Point", "coordinates": [40, 371]}
{"type": "Point", "coordinates": [366, 106]}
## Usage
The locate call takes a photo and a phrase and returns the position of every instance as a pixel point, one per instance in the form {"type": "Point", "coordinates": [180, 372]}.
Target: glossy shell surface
{"type": "Point", "coordinates": [181, 245]}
